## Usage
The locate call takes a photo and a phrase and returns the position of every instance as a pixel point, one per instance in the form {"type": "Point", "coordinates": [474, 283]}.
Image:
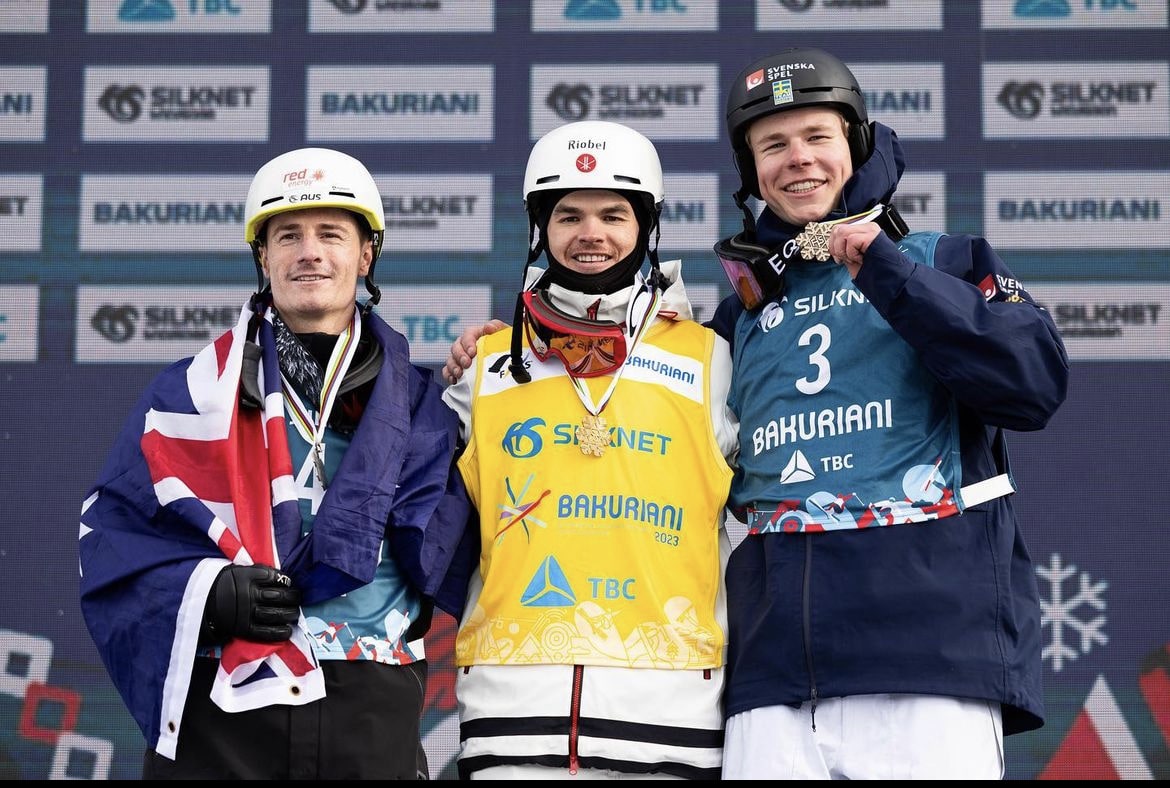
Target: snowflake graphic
{"type": "Point", "coordinates": [1060, 613]}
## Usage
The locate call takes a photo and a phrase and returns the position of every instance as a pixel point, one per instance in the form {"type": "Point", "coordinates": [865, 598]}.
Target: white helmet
{"type": "Point", "coordinates": [314, 178]}
{"type": "Point", "coordinates": [591, 154]}
{"type": "Point", "coordinates": [594, 154]}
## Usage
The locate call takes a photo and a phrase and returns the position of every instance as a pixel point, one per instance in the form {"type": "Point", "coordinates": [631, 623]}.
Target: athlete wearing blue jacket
{"type": "Point", "coordinates": [883, 608]}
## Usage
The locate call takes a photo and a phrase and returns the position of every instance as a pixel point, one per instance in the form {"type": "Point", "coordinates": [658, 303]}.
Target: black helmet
{"type": "Point", "coordinates": [796, 77]}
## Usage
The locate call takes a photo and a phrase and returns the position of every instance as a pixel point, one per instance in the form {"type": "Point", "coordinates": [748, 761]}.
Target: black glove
{"type": "Point", "coordinates": [255, 603]}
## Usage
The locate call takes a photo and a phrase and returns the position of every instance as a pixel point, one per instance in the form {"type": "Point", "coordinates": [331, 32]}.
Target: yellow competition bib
{"type": "Point", "coordinates": [602, 557]}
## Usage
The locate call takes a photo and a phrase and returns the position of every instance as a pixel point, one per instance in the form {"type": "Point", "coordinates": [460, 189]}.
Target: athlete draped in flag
{"type": "Point", "coordinates": [261, 554]}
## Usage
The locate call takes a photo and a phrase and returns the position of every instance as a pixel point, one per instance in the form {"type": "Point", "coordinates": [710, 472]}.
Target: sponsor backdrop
{"type": "Point", "coordinates": [129, 130]}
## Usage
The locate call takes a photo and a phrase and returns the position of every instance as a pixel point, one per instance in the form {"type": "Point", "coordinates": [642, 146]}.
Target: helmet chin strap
{"type": "Point", "coordinates": [259, 268]}
{"type": "Point", "coordinates": [516, 366]}
{"type": "Point", "coordinates": [619, 276]}
{"type": "Point", "coordinates": [371, 288]}
{"type": "Point", "coordinates": [749, 218]}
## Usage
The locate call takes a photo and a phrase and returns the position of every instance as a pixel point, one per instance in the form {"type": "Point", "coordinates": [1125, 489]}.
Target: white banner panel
{"type": "Point", "coordinates": [654, 16]}
{"type": "Point", "coordinates": [1110, 322]}
{"type": "Point", "coordinates": [21, 209]}
{"type": "Point", "coordinates": [664, 101]}
{"type": "Point", "coordinates": [19, 323]}
{"type": "Point", "coordinates": [1056, 14]}
{"type": "Point", "coordinates": [179, 104]}
{"type": "Point", "coordinates": [152, 324]}
{"type": "Point", "coordinates": [922, 200]}
{"type": "Point", "coordinates": [166, 213]}
{"type": "Point", "coordinates": [425, 104]}
{"type": "Point", "coordinates": [909, 98]}
{"type": "Point", "coordinates": [179, 16]}
{"type": "Point", "coordinates": [24, 16]}
{"type": "Point", "coordinates": [690, 212]}
{"type": "Point", "coordinates": [22, 104]}
{"type": "Point", "coordinates": [704, 298]}
{"type": "Point", "coordinates": [847, 15]}
{"type": "Point", "coordinates": [1076, 100]}
{"type": "Point", "coordinates": [431, 317]}
{"type": "Point", "coordinates": [355, 17]}
{"type": "Point", "coordinates": [437, 212]}
{"type": "Point", "coordinates": [1077, 210]}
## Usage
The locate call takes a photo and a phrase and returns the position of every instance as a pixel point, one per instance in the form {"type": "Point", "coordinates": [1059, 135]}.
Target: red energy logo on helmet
{"type": "Point", "coordinates": [302, 176]}
{"type": "Point", "coordinates": [586, 163]}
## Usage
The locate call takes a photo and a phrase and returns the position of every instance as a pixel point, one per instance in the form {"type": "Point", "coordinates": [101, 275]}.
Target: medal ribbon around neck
{"type": "Point", "coordinates": [593, 432]}
{"type": "Point", "coordinates": [313, 430]}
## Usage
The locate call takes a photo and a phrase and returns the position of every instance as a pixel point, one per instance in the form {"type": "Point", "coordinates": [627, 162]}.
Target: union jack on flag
{"type": "Point", "coordinates": [196, 481]}
{"type": "Point", "coordinates": [216, 469]}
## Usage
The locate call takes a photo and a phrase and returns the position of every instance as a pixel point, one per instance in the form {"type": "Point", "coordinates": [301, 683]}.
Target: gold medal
{"type": "Point", "coordinates": [593, 435]}
{"type": "Point", "coordinates": [814, 241]}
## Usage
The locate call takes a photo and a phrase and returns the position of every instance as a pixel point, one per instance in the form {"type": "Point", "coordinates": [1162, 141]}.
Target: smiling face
{"type": "Point", "coordinates": [591, 230]}
{"type": "Point", "coordinates": [802, 159]}
{"type": "Point", "coordinates": [313, 258]}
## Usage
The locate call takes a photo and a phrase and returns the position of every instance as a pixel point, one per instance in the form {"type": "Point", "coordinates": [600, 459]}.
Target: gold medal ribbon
{"type": "Point", "coordinates": [593, 432]}
{"type": "Point", "coordinates": [313, 429]}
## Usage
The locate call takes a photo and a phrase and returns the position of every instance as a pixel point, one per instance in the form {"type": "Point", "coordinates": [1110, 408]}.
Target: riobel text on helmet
{"type": "Point", "coordinates": [586, 145]}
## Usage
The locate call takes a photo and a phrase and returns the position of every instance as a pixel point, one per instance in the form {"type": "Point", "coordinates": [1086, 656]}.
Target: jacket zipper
{"type": "Point", "coordinates": [575, 717]}
{"type": "Point", "coordinates": [806, 614]}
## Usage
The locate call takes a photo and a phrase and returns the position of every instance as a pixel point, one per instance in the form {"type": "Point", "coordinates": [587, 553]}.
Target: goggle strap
{"type": "Point", "coordinates": [892, 223]}
{"type": "Point", "coordinates": [546, 313]}
{"type": "Point", "coordinates": [516, 366]}
{"type": "Point", "coordinates": [657, 279]}
{"type": "Point", "coordinates": [535, 246]}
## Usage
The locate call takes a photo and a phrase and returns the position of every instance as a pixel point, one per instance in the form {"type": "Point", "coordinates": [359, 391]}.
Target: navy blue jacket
{"type": "Point", "coordinates": [945, 608]}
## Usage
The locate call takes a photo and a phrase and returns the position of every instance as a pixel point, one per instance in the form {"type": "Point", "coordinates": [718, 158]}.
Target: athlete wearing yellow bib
{"type": "Point", "coordinates": [597, 560]}
{"type": "Point", "coordinates": [594, 633]}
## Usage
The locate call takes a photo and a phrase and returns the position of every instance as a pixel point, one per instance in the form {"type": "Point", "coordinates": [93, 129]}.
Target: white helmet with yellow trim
{"type": "Point", "coordinates": [314, 178]}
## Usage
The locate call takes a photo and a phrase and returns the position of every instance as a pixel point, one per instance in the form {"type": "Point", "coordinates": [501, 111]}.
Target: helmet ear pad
{"type": "Point", "coordinates": [860, 143]}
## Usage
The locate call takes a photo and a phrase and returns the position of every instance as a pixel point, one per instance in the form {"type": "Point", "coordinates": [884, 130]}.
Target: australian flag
{"type": "Point", "coordinates": [196, 481]}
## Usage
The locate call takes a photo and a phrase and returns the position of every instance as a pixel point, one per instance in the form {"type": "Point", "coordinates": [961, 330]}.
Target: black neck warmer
{"type": "Point", "coordinates": [302, 359]}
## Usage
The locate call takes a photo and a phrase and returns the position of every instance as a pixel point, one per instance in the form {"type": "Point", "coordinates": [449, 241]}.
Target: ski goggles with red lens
{"type": "Point", "coordinates": [588, 348]}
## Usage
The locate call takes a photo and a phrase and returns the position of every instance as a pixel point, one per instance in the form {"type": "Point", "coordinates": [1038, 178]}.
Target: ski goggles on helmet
{"type": "Point", "coordinates": [588, 348]}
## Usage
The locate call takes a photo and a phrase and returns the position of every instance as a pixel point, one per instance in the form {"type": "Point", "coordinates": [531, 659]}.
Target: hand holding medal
{"type": "Point", "coordinates": [843, 240]}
